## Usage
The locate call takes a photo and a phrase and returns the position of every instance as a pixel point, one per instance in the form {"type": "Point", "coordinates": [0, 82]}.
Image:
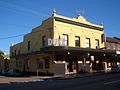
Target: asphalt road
{"type": "Point", "coordinates": [98, 82]}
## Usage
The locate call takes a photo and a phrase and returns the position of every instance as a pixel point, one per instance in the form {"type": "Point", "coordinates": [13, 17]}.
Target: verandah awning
{"type": "Point", "coordinates": [73, 50]}
{"type": "Point", "coordinates": [76, 49]}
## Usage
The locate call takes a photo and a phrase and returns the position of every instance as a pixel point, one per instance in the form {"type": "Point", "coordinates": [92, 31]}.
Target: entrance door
{"type": "Point", "coordinates": [72, 64]}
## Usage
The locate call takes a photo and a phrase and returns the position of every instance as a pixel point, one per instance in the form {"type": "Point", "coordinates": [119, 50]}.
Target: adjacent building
{"type": "Point", "coordinates": [62, 45]}
{"type": "Point", "coordinates": [113, 43]}
{"type": "Point", "coordinates": [4, 62]}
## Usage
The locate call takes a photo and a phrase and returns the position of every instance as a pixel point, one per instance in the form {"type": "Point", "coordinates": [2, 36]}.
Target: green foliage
{"type": "Point", "coordinates": [1, 52]}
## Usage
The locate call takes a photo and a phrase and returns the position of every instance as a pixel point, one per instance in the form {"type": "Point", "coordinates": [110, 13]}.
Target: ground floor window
{"type": "Point", "coordinates": [17, 63]}
{"type": "Point", "coordinates": [27, 63]}
{"type": "Point", "coordinates": [20, 65]}
{"type": "Point", "coordinates": [47, 62]}
{"type": "Point", "coordinates": [39, 63]}
{"type": "Point", "coordinates": [108, 65]}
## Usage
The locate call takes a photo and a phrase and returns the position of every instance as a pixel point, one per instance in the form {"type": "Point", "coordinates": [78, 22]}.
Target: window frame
{"type": "Point", "coordinates": [47, 62]}
{"type": "Point", "coordinates": [27, 63]}
{"type": "Point", "coordinates": [77, 37]}
{"type": "Point", "coordinates": [39, 63]}
{"type": "Point", "coordinates": [97, 41]}
{"type": "Point", "coordinates": [88, 43]}
{"type": "Point", "coordinates": [43, 40]}
{"type": "Point", "coordinates": [66, 40]}
{"type": "Point", "coordinates": [29, 45]}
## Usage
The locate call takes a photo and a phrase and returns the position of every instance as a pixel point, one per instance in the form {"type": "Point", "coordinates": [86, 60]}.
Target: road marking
{"type": "Point", "coordinates": [37, 80]}
{"type": "Point", "coordinates": [112, 82]}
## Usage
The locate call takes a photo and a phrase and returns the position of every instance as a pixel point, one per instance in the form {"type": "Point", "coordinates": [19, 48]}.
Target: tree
{"type": "Point", "coordinates": [1, 52]}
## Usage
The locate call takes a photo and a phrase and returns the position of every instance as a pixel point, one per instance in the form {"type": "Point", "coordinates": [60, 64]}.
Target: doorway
{"type": "Point", "coordinates": [72, 64]}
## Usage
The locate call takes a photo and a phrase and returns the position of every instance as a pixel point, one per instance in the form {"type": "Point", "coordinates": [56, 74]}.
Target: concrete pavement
{"type": "Point", "coordinates": [80, 75]}
{"type": "Point", "coordinates": [8, 80]}
{"type": "Point", "coordinates": [97, 82]}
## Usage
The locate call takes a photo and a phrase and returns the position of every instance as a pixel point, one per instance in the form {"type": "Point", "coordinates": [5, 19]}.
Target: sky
{"type": "Point", "coordinates": [19, 17]}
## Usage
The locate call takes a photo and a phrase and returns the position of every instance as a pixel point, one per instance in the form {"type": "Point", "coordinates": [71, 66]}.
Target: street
{"type": "Point", "coordinates": [98, 82]}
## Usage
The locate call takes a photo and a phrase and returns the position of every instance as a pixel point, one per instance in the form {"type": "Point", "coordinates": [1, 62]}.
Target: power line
{"type": "Point", "coordinates": [18, 35]}
{"type": "Point", "coordinates": [16, 25]}
{"type": "Point", "coordinates": [17, 8]}
{"type": "Point", "coordinates": [12, 36]}
{"type": "Point", "coordinates": [22, 9]}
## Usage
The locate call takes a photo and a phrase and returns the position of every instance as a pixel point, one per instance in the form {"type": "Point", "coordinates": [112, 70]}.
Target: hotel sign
{"type": "Point", "coordinates": [56, 42]}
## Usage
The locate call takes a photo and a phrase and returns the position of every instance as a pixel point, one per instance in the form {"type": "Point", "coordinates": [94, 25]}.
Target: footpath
{"type": "Point", "coordinates": [80, 75]}
{"type": "Point", "coordinates": [9, 80]}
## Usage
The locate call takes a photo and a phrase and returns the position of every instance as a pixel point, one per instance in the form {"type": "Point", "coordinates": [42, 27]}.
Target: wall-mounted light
{"type": "Point", "coordinates": [104, 55]}
{"type": "Point", "coordinates": [88, 54]}
{"type": "Point", "coordinates": [68, 53]}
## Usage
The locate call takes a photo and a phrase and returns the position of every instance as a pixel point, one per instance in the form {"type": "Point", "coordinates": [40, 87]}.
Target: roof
{"type": "Point", "coordinates": [77, 49]}
{"type": "Point", "coordinates": [73, 50]}
{"type": "Point", "coordinates": [112, 39]}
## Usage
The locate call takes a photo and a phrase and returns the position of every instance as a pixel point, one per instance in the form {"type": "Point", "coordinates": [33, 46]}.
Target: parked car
{"type": "Point", "coordinates": [116, 69]}
{"type": "Point", "coordinates": [4, 72]}
{"type": "Point", "coordinates": [13, 72]}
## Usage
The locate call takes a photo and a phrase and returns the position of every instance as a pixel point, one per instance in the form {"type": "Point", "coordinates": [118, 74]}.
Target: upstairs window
{"type": "Point", "coordinates": [15, 52]}
{"type": "Point", "coordinates": [77, 41]}
{"type": "Point", "coordinates": [97, 43]}
{"type": "Point", "coordinates": [12, 53]}
{"type": "Point", "coordinates": [107, 45]}
{"type": "Point", "coordinates": [103, 37]}
{"type": "Point", "coordinates": [43, 41]}
{"type": "Point", "coordinates": [18, 52]}
{"type": "Point", "coordinates": [65, 37]}
{"type": "Point", "coordinates": [87, 42]}
{"type": "Point", "coordinates": [118, 46]}
{"type": "Point", "coordinates": [28, 45]}
{"type": "Point", "coordinates": [113, 46]}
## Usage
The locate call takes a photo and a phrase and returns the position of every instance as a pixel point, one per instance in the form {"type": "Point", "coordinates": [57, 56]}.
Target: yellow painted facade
{"type": "Point", "coordinates": [54, 27]}
{"type": "Point", "coordinates": [61, 28]}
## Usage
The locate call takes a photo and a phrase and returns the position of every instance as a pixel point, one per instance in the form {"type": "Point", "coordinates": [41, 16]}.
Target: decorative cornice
{"type": "Point", "coordinates": [78, 24]}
